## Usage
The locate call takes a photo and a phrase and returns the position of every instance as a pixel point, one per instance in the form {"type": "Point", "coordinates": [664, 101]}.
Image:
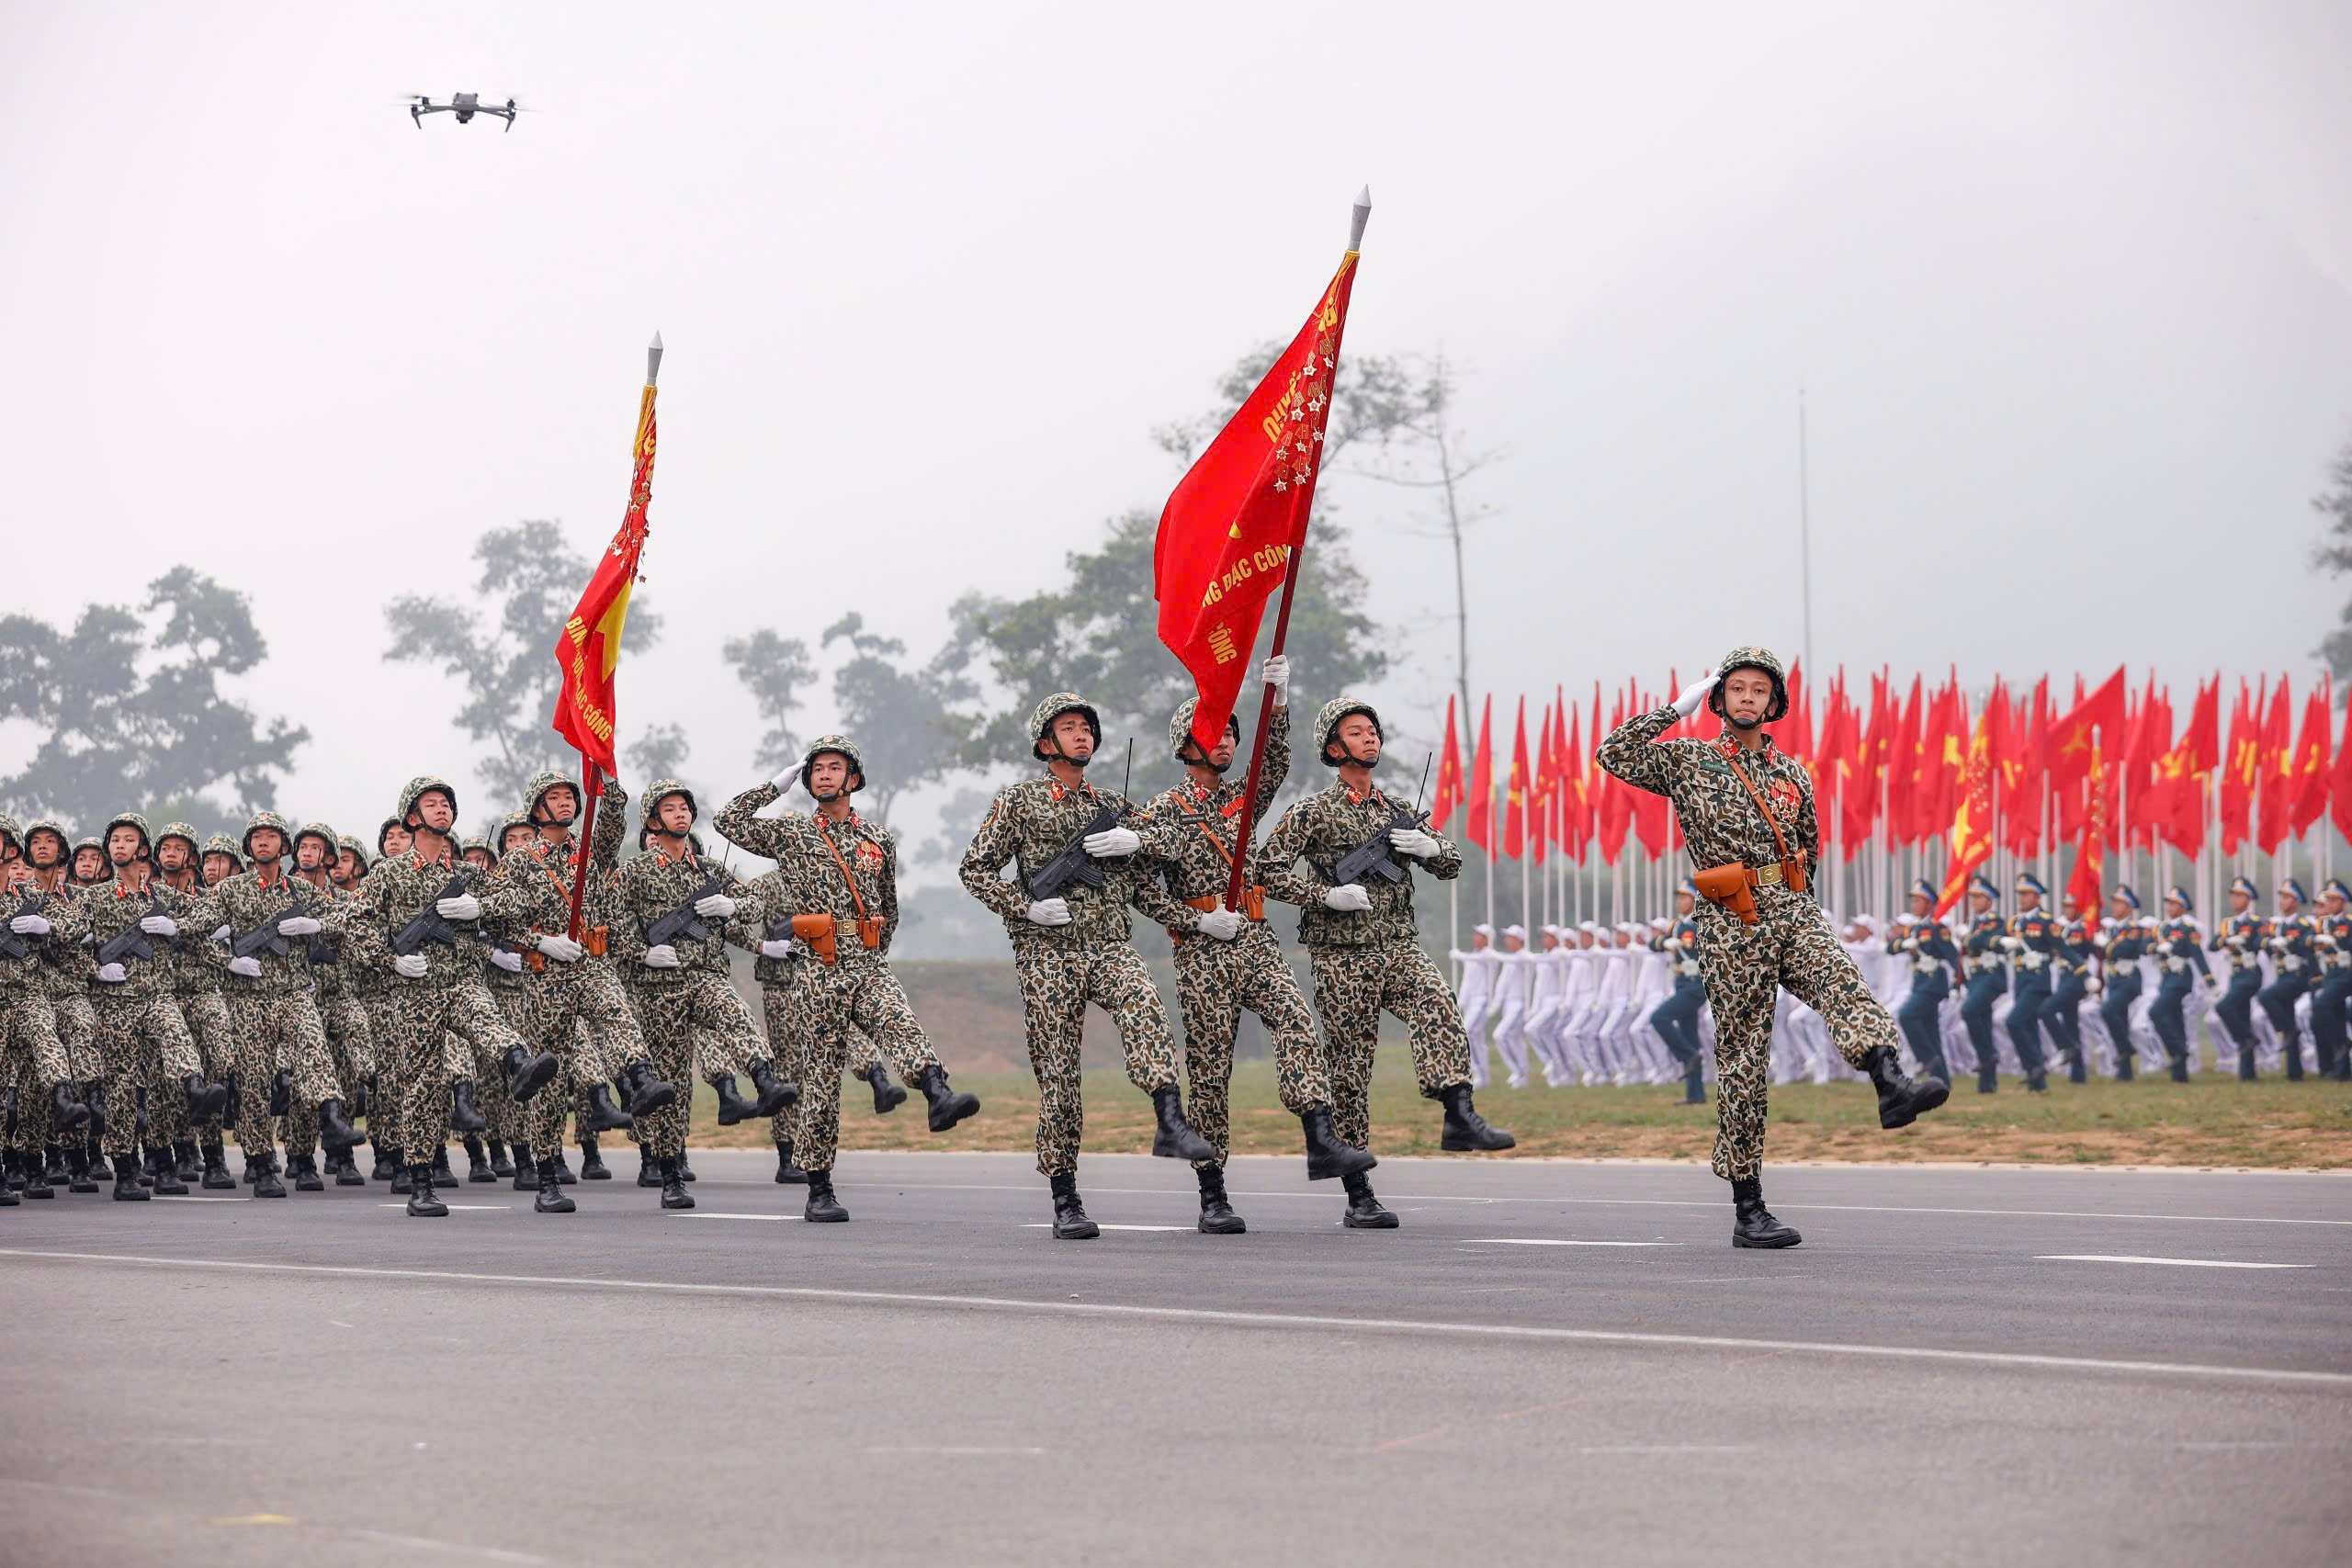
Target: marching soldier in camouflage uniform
{"type": "Point", "coordinates": [1925, 943]}
{"type": "Point", "coordinates": [89, 869]}
{"type": "Point", "coordinates": [683, 992]}
{"type": "Point", "coordinates": [2120, 982]}
{"type": "Point", "coordinates": [1364, 950]}
{"type": "Point", "coordinates": [436, 988]}
{"type": "Point", "coordinates": [1071, 947]}
{"type": "Point", "coordinates": [34, 1058]}
{"type": "Point", "coordinates": [65, 978]}
{"type": "Point", "coordinates": [1747, 813]}
{"type": "Point", "coordinates": [841, 872]}
{"type": "Point", "coordinates": [503, 976]}
{"type": "Point", "coordinates": [1987, 977]}
{"type": "Point", "coordinates": [1227, 960]}
{"type": "Point", "coordinates": [222, 860]}
{"type": "Point", "coordinates": [196, 985]}
{"type": "Point", "coordinates": [2077, 940]}
{"type": "Point", "coordinates": [350, 863]}
{"type": "Point", "coordinates": [350, 1042]}
{"type": "Point", "coordinates": [1677, 1018]}
{"type": "Point", "coordinates": [279, 1035]}
{"type": "Point", "coordinates": [2031, 944]}
{"type": "Point", "coordinates": [778, 970]}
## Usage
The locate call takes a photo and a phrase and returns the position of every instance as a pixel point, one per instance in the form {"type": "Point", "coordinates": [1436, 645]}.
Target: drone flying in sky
{"type": "Point", "coordinates": [465, 106]}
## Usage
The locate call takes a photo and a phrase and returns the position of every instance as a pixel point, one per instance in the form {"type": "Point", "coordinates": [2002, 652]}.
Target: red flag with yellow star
{"type": "Point", "coordinates": [1515, 791]}
{"type": "Point", "coordinates": [1972, 823]}
{"type": "Point", "coordinates": [589, 648]}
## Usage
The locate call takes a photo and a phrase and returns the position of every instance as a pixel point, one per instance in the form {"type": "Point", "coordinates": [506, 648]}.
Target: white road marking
{"type": "Point", "coordinates": [1551, 1241]}
{"type": "Point", "coordinates": [1506, 1331]}
{"type": "Point", "coordinates": [723, 1214]}
{"type": "Point", "coordinates": [196, 1199]}
{"type": "Point", "coordinates": [1046, 1225]}
{"type": "Point", "coordinates": [1668, 1448]}
{"type": "Point", "coordinates": [454, 1208]}
{"type": "Point", "coordinates": [951, 1450]}
{"type": "Point", "coordinates": [2175, 1262]}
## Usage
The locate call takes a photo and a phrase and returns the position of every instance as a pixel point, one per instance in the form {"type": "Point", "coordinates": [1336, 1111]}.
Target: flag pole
{"type": "Point", "coordinates": [1242, 823]}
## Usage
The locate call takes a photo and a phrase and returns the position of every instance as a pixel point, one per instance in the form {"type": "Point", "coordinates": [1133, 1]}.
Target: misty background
{"type": "Point", "coordinates": [2068, 291]}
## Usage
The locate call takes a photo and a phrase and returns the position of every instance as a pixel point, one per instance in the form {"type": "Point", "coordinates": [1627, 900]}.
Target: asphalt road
{"type": "Point", "coordinates": [1547, 1362]}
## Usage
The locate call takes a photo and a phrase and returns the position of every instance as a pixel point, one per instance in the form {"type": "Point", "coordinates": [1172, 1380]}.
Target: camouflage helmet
{"type": "Point", "coordinates": [416, 789]}
{"type": "Point", "coordinates": [10, 834]}
{"type": "Point", "coordinates": [470, 842]}
{"type": "Point", "coordinates": [1752, 658]}
{"type": "Point", "coordinates": [347, 845]}
{"type": "Point", "coordinates": [385, 831]}
{"type": "Point", "coordinates": [222, 844]}
{"type": "Point", "coordinates": [90, 842]}
{"type": "Point", "coordinates": [537, 790]}
{"type": "Point", "coordinates": [52, 825]}
{"type": "Point", "coordinates": [1327, 724]}
{"type": "Point", "coordinates": [264, 819]}
{"type": "Point", "coordinates": [841, 746]}
{"type": "Point", "coordinates": [656, 793]}
{"type": "Point", "coordinates": [129, 819]}
{"type": "Point", "coordinates": [322, 832]}
{"type": "Point", "coordinates": [1180, 726]}
{"type": "Point", "coordinates": [179, 831]}
{"type": "Point", "coordinates": [1042, 719]}
{"type": "Point", "coordinates": [506, 825]}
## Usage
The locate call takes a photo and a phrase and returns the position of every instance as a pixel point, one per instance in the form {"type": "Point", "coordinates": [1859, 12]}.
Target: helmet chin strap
{"type": "Point", "coordinates": [1737, 723]}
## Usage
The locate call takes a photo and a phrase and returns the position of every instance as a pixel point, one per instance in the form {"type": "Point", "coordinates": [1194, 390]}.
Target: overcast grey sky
{"type": "Point", "coordinates": [2070, 288]}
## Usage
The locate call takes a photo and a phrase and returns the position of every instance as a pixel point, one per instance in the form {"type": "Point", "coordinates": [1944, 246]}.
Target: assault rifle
{"type": "Point", "coordinates": [131, 942]}
{"type": "Point", "coordinates": [427, 924]}
{"type": "Point", "coordinates": [1071, 863]}
{"type": "Point", "coordinates": [1375, 856]}
{"type": "Point", "coordinates": [11, 944]}
{"type": "Point", "coordinates": [666, 930]}
{"type": "Point", "coordinates": [266, 937]}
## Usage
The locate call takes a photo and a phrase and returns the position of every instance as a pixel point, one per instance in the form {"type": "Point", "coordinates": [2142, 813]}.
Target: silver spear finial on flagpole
{"type": "Point", "coordinates": [1362, 216]}
{"type": "Point", "coordinates": [654, 360]}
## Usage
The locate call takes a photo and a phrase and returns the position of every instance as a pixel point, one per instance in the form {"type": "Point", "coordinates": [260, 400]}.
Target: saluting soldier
{"type": "Point", "coordinates": [1925, 943]}
{"type": "Point", "coordinates": [2070, 975]}
{"type": "Point", "coordinates": [2032, 945]}
{"type": "Point", "coordinates": [1746, 812]}
{"type": "Point", "coordinates": [2120, 981]}
{"type": "Point", "coordinates": [1988, 977]}
{"type": "Point", "coordinates": [2289, 938]}
{"type": "Point", "coordinates": [2180, 960]}
{"type": "Point", "coordinates": [2238, 939]}
{"type": "Point", "coordinates": [1071, 947]}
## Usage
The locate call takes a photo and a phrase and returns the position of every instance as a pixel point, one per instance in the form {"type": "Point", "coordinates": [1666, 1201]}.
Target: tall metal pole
{"type": "Point", "coordinates": [1804, 532]}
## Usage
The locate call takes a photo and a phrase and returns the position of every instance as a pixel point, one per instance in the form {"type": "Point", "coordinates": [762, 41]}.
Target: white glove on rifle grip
{"type": "Point", "coordinates": [1114, 843]}
{"type": "Point", "coordinates": [1694, 694]}
{"type": "Point", "coordinates": [159, 925]}
{"type": "Point", "coordinates": [30, 925]}
{"type": "Point", "coordinates": [777, 949]}
{"type": "Point", "coordinates": [250, 967]}
{"type": "Point", "coordinates": [464, 907]}
{"type": "Point", "coordinates": [717, 907]}
{"type": "Point", "coordinates": [1223, 925]}
{"type": "Point", "coordinates": [1348, 898]}
{"type": "Point", "coordinates": [510, 961]}
{"type": "Point", "coordinates": [562, 949]}
{"type": "Point", "coordinates": [303, 925]}
{"type": "Point", "coordinates": [664, 956]}
{"type": "Point", "coordinates": [1049, 912]}
{"type": "Point", "coordinates": [113, 974]}
{"type": "Point", "coordinates": [407, 965]}
{"type": "Point", "coordinates": [1413, 842]}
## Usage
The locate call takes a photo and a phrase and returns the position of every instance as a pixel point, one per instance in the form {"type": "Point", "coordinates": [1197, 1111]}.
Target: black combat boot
{"type": "Point", "coordinates": [822, 1208]}
{"type": "Point", "coordinates": [1217, 1217]}
{"type": "Point", "coordinates": [127, 1187]}
{"type": "Point", "coordinates": [563, 1168]}
{"type": "Point", "coordinates": [465, 1116]}
{"type": "Point", "coordinates": [401, 1184]}
{"type": "Point", "coordinates": [1326, 1156]}
{"type": "Point", "coordinates": [304, 1168]}
{"type": "Point", "coordinates": [93, 1098]}
{"type": "Point", "coordinates": [184, 1161]}
{"type": "Point", "coordinates": [2180, 1070]}
{"type": "Point", "coordinates": [774, 1093]}
{"type": "Point", "coordinates": [335, 1130]}
{"type": "Point", "coordinates": [552, 1199]}
{"type": "Point", "coordinates": [152, 1159]}
{"type": "Point", "coordinates": [216, 1169]}
{"type": "Point", "coordinates": [52, 1157]}
{"type": "Point", "coordinates": [478, 1171]}
{"type": "Point", "coordinates": [13, 1166]}
{"type": "Point", "coordinates": [2037, 1082]}
{"type": "Point", "coordinates": [787, 1173]}
{"type": "Point", "coordinates": [65, 1111]}
{"type": "Point", "coordinates": [388, 1162]}
{"type": "Point", "coordinates": [99, 1169]}
{"type": "Point", "coordinates": [265, 1175]}
{"type": "Point", "coordinates": [527, 1169]}
{"type": "Point", "coordinates": [363, 1095]}
{"type": "Point", "coordinates": [603, 1115]}
{"type": "Point", "coordinates": [1900, 1097]}
{"type": "Point", "coordinates": [165, 1179]}
{"type": "Point", "coordinates": [1464, 1128]}
{"type": "Point", "coordinates": [1366, 1213]}
{"type": "Point", "coordinates": [685, 1165]}
{"type": "Point", "coordinates": [673, 1186]}
{"type": "Point", "coordinates": [592, 1160]}
{"type": "Point", "coordinates": [1752, 1224]}
{"type": "Point", "coordinates": [233, 1107]}
{"type": "Point", "coordinates": [1173, 1138]}
{"type": "Point", "coordinates": [1988, 1077]}
{"type": "Point", "coordinates": [528, 1074]}
{"type": "Point", "coordinates": [77, 1164]}
{"type": "Point", "coordinates": [205, 1100]}
{"type": "Point", "coordinates": [281, 1092]}
{"type": "Point", "coordinates": [1694, 1082]}
{"type": "Point", "coordinates": [648, 1174]}
{"type": "Point", "coordinates": [346, 1171]}
{"type": "Point", "coordinates": [1071, 1222]}
{"type": "Point", "coordinates": [8, 1197]}
{"type": "Point", "coordinates": [441, 1171]}
{"type": "Point", "coordinates": [948, 1106]}
{"type": "Point", "coordinates": [732, 1106]}
{"type": "Point", "coordinates": [887, 1096]}
{"type": "Point", "coordinates": [422, 1204]}
{"type": "Point", "coordinates": [501, 1168]}
{"type": "Point", "coordinates": [37, 1182]}
{"type": "Point", "coordinates": [647, 1094]}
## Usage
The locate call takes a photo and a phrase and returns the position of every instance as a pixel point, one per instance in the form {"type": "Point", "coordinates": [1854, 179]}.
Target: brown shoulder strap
{"type": "Point", "coordinates": [1769, 820]}
{"type": "Point", "coordinates": [848, 875]}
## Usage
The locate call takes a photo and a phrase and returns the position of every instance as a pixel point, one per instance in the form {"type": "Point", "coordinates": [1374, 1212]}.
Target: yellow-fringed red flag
{"type": "Point", "coordinates": [589, 648]}
{"type": "Point", "coordinates": [1972, 825]}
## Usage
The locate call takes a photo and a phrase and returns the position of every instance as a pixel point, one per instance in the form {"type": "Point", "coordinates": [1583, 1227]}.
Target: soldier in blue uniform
{"type": "Point", "coordinates": [2180, 953]}
{"type": "Point", "coordinates": [2289, 939]}
{"type": "Point", "coordinates": [2069, 977]}
{"type": "Point", "coordinates": [2119, 967]}
{"type": "Point", "coordinates": [2333, 988]}
{"type": "Point", "coordinates": [2031, 944]}
{"type": "Point", "coordinates": [2239, 940]}
{"type": "Point", "coordinates": [1926, 944]}
{"type": "Point", "coordinates": [1677, 1018]}
{"type": "Point", "coordinates": [1987, 978]}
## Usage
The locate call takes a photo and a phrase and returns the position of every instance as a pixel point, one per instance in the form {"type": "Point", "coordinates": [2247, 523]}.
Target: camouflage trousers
{"type": "Point", "coordinates": [216, 1047]}
{"type": "Point", "coordinates": [1790, 948]}
{"type": "Point", "coordinates": [462, 1058]}
{"type": "Point", "coordinates": [273, 1031]}
{"type": "Point", "coordinates": [1352, 987]}
{"type": "Point", "coordinates": [698, 1020]}
{"type": "Point", "coordinates": [32, 1060]}
{"type": "Point", "coordinates": [414, 1052]}
{"type": "Point", "coordinates": [1216, 981]}
{"type": "Point", "coordinates": [136, 1035]}
{"type": "Point", "coordinates": [831, 1003]}
{"type": "Point", "coordinates": [1058, 981]}
{"type": "Point", "coordinates": [784, 1045]}
{"type": "Point", "coordinates": [77, 1031]}
{"type": "Point", "coordinates": [583, 1021]}
{"type": "Point", "coordinates": [351, 1048]}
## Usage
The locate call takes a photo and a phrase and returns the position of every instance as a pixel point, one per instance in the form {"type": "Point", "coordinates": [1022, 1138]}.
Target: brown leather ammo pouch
{"type": "Point", "coordinates": [1729, 887]}
{"type": "Point", "coordinates": [818, 932]}
{"type": "Point", "coordinates": [597, 939]}
{"type": "Point", "coordinates": [869, 932]}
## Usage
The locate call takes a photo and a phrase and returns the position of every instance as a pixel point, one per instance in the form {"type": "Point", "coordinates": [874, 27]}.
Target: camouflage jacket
{"type": "Point", "coordinates": [536, 886]}
{"type": "Point", "coordinates": [1191, 841]}
{"type": "Point", "coordinates": [773, 890]}
{"type": "Point", "coordinates": [805, 850]}
{"type": "Point", "coordinates": [1720, 820]}
{"type": "Point", "coordinates": [332, 977]}
{"type": "Point", "coordinates": [114, 908]}
{"type": "Point", "coordinates": [245, 901]}
{"type": "Point", "coordinates": [197, 959]}
{"type": "Point", "coordinates": [1317, 831]}
{"type": "Point", "coordinates": [1027, 826]}
{"type": "Point", "coordinates": [49, 956]}
{"type": "Point", "coordinates": [400, 888]}
{"type": "Point", "coordinates": [653, 885]}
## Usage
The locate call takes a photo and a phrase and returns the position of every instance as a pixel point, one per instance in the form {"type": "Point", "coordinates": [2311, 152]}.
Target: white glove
{"type": "Point", "coordinates": [562, 949]}
{"type": "Point", "coordinates": [2093, 985]}
{"type": "Point", "coordinates": [783, 781]}
{"type": "Point", "coordinates": [1673, 944]}
{"type": "Point", "coordinates": [2013, 945]}
{"type": "Point", "coordinates": [249, 967]}
{"type": "Point", "coordinates": [776, 949]}
{"type": "Point", "coordinates": [1412, 841]}
{"type": "Point", "coordinates": [222, 934]}
{"type": "Point", "coordinates": [1275, 672]}
{"type": "Point", "coordinates": [1114, 843]}
{"type": "Point", "coordinates": [510, 961]}
{"type": "Point", "coordinates": [159, 925]}
{"type": "Point", "coordinates": [113, 974]}
{"type": "Point", "coordinates": [1349, 897]}
{"type": "Point", "coordinates": [1049, 912]}
{"type": "Point", "coordinates": [1224, 925]}
{"type": "Point", "coordinates": [464, 907]}
{"type": "Point", "coordinates": [30, 925]}
{"type": "Point", "coordinates": [303, 925]}
{"type": "Point", "coordinates": [661, 957]}
{"type": "Point", "coordinates": [717, 907]}
{"type": "Point", "coordinates": [409, 965]}
{"type": "Point", "coordinates": [1696, 692]}
{"type": "Point", "coordinates": [1910, 944]}
{"type": "Point", "coordinates": [2164, 949]}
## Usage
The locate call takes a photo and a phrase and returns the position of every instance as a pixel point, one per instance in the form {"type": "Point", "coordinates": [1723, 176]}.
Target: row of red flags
{"type": "Point", "coordinates": [1910, 766]}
